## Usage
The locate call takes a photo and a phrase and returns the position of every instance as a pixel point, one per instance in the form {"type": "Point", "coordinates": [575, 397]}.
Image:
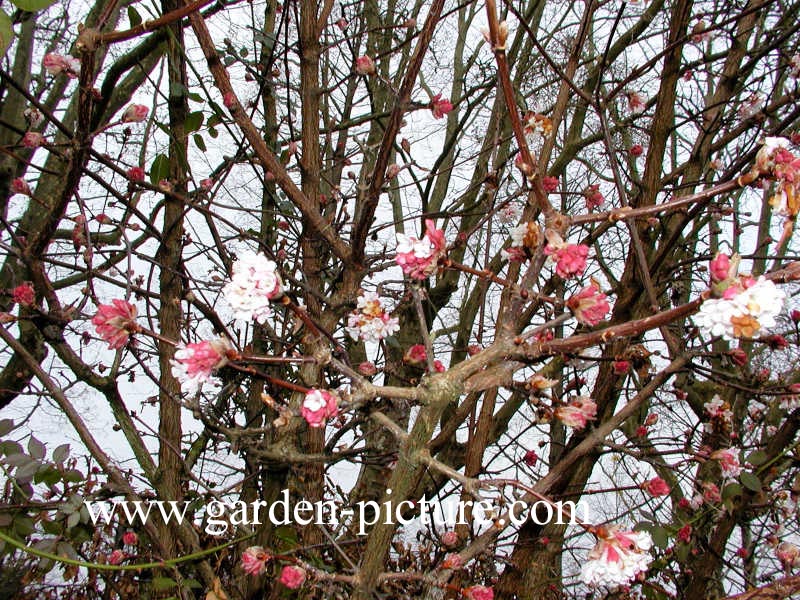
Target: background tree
{"type": "Point", "coordinates": [368, 252]}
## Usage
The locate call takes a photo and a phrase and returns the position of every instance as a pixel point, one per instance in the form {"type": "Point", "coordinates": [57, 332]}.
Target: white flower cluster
{"type": "Point", "coordinates": [613, 564]}
{"type": "Point", "coordinates": [717, 408]}
{"type": "Point", "coordinates": [761, 302]}
{"type": "Point", "coordinates": [254, 283]}
{"type": "Point", "coordinates": [369, 321]}
{"type": "Point", "coordinates": [518, 234]}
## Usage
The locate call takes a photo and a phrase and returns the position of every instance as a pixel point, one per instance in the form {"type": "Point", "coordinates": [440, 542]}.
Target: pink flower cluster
{"type": "Point", "coordinates": [369, 321]}
{"type": "Point", "coordinates": [440, 106]}
{"type": "Point", "coordinates": [656, 487]}
{"type": "Point", "coordinates": [292, 577]}
{"type": "Point", "coordinates": [115, 322]}
{"type": "Point", "coordinates": [419, 258]}
{"type": "Point", "coordinates": [24, 294]}
{"type": "Point", "coordinates": [594, 198]}
{"type": "Point", "coordinates": [775, 161]}
{"type": "Point", "coordinates": [590, 305]}
{"type": "Point", "coordinates": [479, 592]}
{"type": "Point", "coordinates": [319, 406]}
{"type": "Point", "coordinates": [570, 259]}
{"type": "Point", "coordinates": [194, 363]}
{"type": "Point", "coordinates": [577, 413]}
{"type": "Point", "coordinates": [55, 64]}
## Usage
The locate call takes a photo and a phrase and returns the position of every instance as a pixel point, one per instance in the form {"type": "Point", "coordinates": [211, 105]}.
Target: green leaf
{"type": "Point", "coordinates": [163, 583]}
{"type": "Point", "coordinates": [26, 473]}
{"type": "Point", "coordinates": [194, 121]}
{"type": "Point", "coordinates": [32, 5]}
{"type": "Point", "coordinates": [731, 490]}
{"type": "Point", "coordinates": [660, 536]}
{"type": "Point", "coordinates": [61, 453]}
{"type": "Point", "coordinates": [757, 458]}
{"type": "Point", "coordinates": [9, 448]}
{"type": "Point", "coordinates": [134, 17]}
{"type": "Point", "coordinates": [36, 448]}
{"type": "Point", "coordinates": [750, 481]}
{"type": "Point", "coordinates": [159, 169]}
{"type": "Point", "coordinates": [6, 425]}
{"type": "Point", "coordinates": [199, 142]}
{"type": "Point", "coordinates": [212, 132]}
{"type": "Point", "coordinates": [6, 32]}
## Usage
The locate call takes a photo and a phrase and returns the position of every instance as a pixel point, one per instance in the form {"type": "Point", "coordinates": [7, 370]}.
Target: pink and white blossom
{"type": "Point", "coordinates": [590, 305]}
{"type": "Point", "coordinates": [728, 459]}
{"type": "Point", "coordinates": [194, 363]}
{"type": "Point", "coordinates": [716, 408]}
{"type": "Point", "coordinates": [747, 306]}
{"type": "Point", "coordinates": [636, 103]}
{"type": "Point", "coordinates": [370, 321]}
{"type": "Point", "coordinates": [135, 113]}
{"type": "Point", "coordinates": [254, 284]}
{"type": "Point", "coordinates": [419, 258]}
{"type": "Point", "coordinates": [618, 558]}
{"type": "Point", "coordinates": [577, 413]}
{"type": "Point", "coordinates": [254, 560]}
{"type": "Point", "coordinates": [318, 406]}
{"type": "Point", "coordinates": [55, 64]}
{"type": "Point", "coordinates": [115, 322]}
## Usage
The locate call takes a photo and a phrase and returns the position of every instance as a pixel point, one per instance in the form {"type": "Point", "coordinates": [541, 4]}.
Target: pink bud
{"type": "Point", "coordinates": [365, 65]}
{"type": "Point", "coordinates": [738, 356]}
{"type": "Point", "coordinates": [530, 458]}
{"type": "Point", "coordinates": [20, 186]}
{"type": "Point", "coordinates": [621, 367]}
{"type": "Point", "coordinates": [342, 24]}
{"type": "Point", "coordinates": [795, 314]}
{"type": "Point", "coordinates": [367, 369]}
{"type": "Point", "coordinates": [450, 539]}
{"type": "Point", "coordinates": [720, 267]}
{"type": "Point", "coordinates": [130, 538]}
{"type": "Point", "coordinates": [636, 150]}
{"type": "Point", "coordinates": [656, 487]}
{"type": "Point", "coordinates": [136, 174]}
{"type": "Point", "coordinates": [292, 577]}
{"type": "Point", "coordinates": [229, 100]}
{"type": "Point", "coordinates": [24, 294]}
{"type": "Point", "coordinates": [32, 139]}
{"type": "Point", "coordinates": [550, 184]}
{"type": "Point", "coordinates": [116, 557]}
